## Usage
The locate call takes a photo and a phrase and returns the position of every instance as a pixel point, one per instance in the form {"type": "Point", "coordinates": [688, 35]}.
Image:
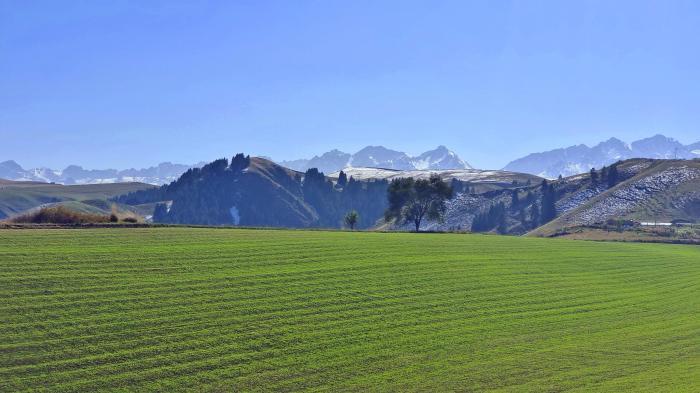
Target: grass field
{"type": "Point", "coordinates": [238, 310]}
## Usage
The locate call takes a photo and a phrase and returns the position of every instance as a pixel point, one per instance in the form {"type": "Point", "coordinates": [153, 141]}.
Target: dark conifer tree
{"type": "Point", "coordinates": [594, 177]}
{"type": "Point", "coordinates": [160, 213]}
{"type": "Point", "coordinates": [342, 179]}
{"type": "Point", "coordinates": [535, 215]}
{"type": "Point", "coordinates": [613, 176]}
{"type": "Point", "coordinates": [514, 200]}
{"type": "Point", "coordinates": [548, 209]}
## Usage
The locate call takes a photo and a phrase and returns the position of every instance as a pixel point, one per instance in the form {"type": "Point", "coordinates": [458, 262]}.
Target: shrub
{"type": "Point", "coordinates": [59, 215]}
{"type": "Point", "coordinates": [131, 220]}
{"type": "Point", "coordinates": [113, 217]}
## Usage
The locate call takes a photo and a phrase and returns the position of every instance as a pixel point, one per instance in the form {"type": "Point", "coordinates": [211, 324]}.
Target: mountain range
{"type": "Point", "coordinates": [549, 164]}
{"type": "Point", "coordinates": [163, 173]}
{"type": "Point", "coordinates": [581, 158]}
{"type": "Point", "coordinates": [380, 157]}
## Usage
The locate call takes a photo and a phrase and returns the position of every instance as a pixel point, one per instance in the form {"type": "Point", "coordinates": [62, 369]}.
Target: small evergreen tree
{"type": "Point", "coordinates": [535, 215]}
{"type": "Point", "coordinates": [351, 219]}
{"type": "Point", "coordinates": [160, 212]}
{"type": "Point", "coordinates": [548, 209]}
{"type": "Point", "coordinates": [342, 179]}
{"type": "Point", "coordinates": [613, 176]}
{"type": "Point", "coordinates": [594, 177]}
{"type": "Point", "coordinates": [239, 162]}
{"type": "Point", "coordinates": [457, 186]}
{"type": "Point", "coordinates": [502, 226]}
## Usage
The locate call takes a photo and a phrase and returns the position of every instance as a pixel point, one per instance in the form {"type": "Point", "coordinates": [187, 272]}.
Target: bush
{"type": "Point", "coordinates": [131, 220]}
{"type": "Point", "coordinates": [59, 215]}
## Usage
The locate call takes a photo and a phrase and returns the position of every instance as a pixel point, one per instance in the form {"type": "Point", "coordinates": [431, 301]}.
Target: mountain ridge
{"type": "Point", "coordinates": [163, 173]}
{"type": "Point", "coordinates": [581, 158]}
{"type": "Point", "coordinates": [380, 157]}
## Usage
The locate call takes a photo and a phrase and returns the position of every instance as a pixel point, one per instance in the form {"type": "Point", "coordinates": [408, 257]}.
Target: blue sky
{"type": "Point", "coordinates": [132, 83]}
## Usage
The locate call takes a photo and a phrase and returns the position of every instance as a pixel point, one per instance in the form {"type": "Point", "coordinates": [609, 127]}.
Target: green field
{"type": "Point", "coordinates": [238, 310]}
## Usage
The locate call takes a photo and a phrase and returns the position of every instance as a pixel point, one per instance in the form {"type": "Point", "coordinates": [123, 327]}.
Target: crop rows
{"type": "Point", "coordinates": [224, 310]}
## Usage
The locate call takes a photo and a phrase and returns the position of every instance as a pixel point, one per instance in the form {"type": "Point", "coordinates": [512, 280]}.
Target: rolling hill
{"type": "Point", "coordinates": [475, 176]}
{"type": "Point", "coordinates": [262, 193]}
{"type": "Point", "coordinates": [257, 192]}
{"type": "Point", "coordinates": [17, 197]}
{"type": "Point", "coordinates": [653, 190]}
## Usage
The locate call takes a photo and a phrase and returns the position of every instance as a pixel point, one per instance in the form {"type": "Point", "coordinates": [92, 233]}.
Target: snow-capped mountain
{"type": "Point", "coordinates": [440, 158]}
{"type": "Point", "coordinates": [581, 158]}
{"type": "Point", "coordinates": [329, 160]}
{"type": "Point", "coordinates": [380, 157]}
{"type": "Point", "coordinates": [162, 174]}
{"type": "Point", "coordinates": [11, 170]}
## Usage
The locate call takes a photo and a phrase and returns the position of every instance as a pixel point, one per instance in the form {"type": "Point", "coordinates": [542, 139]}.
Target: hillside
{"type": "Point", "coordinates": [474, 176]}
{"type": "Point", "coordinates": [16, 197]}
{"type": "Point", "coordinates": [653, 190]}
{"type": "Point", "coordinates": [640, 190]}
{"type": "Point", "coordinates": [257, 192]}
{"type": "Point", "coordinates": [182, 309]}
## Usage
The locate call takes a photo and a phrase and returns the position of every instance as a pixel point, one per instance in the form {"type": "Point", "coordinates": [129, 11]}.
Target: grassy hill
{"type": "Point", "coordinates": [16, 197]}
{"type": "Point", "coordinates": [655, 190]}
{"type": "Point", "coordinates": [240, 310]}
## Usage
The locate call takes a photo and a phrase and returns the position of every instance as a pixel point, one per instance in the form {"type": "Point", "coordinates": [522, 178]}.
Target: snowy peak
{"type": "Point", "coordinates": [73, 174]}
{"type": "Point", "coordinates": [380, 157]}
{"type": "Point", "coordinates": [329, 160]}
{"type": "Point", "coordinates": [440, 158]}
{"type": "Point", "coordinates": [10, 170]}
{"type": "Point", "coordinates": [658, 146]}
{"type": "Point", "coordinates": [581, 158]}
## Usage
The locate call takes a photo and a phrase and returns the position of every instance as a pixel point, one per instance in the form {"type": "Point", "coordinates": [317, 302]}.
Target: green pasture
{"type": "Point", "coordinates": [168, 309]}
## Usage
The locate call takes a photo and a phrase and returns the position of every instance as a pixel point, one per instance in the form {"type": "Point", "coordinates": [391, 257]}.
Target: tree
{"type": "Point", "coordinates": [456, 185]}
{"type": "Point", "coordinates": [494, 217]}
{"type": "Point", "coordinates": [613, 176]}
{"type": "Point", "coordinates": [594, 177]}
{"type": "Point", "coordinates": [160, 212]}
{"type": "Point", "coordinates": [514, 200]}
{"type": "Point", "coordinates": [535, 215]}
{"type": "Point", "coordinates": [239, 162]}
{"type": "Point", "coordinates": [342, 179]}
{"type": "Point", "coordinates": [548, 207]}
{"type": "Point", "coordinates": [351, 219]}
{"type": "Point", "coordinates": [412, 200]}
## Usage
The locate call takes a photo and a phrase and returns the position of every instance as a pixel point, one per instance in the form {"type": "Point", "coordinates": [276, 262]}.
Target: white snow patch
{"type": "Point", "coordinates": [623, 200]}
{"type": "Point", "coordinates": [471, 175]}
{"type": "Point", "coordinates": [235, 215]}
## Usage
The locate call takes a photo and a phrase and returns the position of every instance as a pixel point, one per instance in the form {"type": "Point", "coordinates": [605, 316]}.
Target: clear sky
{"type": "Point", "coordinates": [133, 83]}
